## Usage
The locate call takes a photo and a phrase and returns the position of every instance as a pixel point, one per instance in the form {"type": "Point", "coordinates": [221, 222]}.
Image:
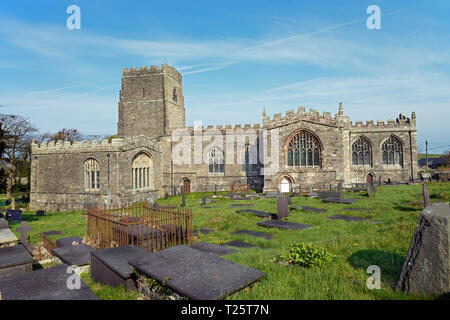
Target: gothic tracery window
{"type": "Point", "coordinates": [392, 152]}
{"type": "Point", "coordinates": [249, 159]}
{"type": "Point", "coordinates": [140, 171]}
{"type": "Point", "coordinates": [304, 150]}
{"type": "Point", "coordinates": [215, 161]}
{"type": "Point", "coordinates": [361, 152]}
{"type": "Point", "coordinates": [91, 175]}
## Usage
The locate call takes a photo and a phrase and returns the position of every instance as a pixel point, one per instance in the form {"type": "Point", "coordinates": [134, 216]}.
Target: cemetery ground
{"type": "Point", "coordinates": [355, 244]}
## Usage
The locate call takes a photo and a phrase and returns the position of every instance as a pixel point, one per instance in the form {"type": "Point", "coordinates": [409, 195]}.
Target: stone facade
{"type": "Point", "coordinates": [152, 123]}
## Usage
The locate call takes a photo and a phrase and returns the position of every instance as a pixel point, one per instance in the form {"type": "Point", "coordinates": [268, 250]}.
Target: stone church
{"type": "Point", "coordinates": [286, 152]}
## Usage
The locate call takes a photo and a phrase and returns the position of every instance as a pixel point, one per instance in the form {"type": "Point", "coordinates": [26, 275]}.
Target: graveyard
{"type": "Point", "coordinates": [242, 234]}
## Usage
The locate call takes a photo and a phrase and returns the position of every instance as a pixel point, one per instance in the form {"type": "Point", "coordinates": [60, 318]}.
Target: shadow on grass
{"type": "Point", "coordinates": [390, 263]}
{"type": "Point", "coordinates": [407, 208]}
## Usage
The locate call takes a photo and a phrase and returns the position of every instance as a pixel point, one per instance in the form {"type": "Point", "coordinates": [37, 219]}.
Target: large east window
{"type": "Point", "coordinates": [215, 161]}
{"type": "Point", "coordinates": [361, 152]}
{"type": "Point", "coordinates": [304, 150]}
{"type": "Point", "coordinates": [392, 152]}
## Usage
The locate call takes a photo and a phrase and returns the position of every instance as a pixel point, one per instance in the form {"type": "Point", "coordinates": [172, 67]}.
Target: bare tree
{"type": "Point", "coordinates": [17, 147]}
{"type": "Point", "coordinates": [64, 135]}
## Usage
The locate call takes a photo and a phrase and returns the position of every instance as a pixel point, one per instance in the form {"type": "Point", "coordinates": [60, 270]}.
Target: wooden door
{"type": "Point", "coordinates": [186, 186]}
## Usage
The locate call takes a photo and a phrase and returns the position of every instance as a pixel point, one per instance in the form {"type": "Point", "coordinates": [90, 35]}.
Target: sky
{"type": "Point", "coordinates": [236, 58]}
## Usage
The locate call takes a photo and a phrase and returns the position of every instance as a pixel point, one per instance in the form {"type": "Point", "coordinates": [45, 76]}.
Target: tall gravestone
{"type": "Point", "coordinates": [183, 200]}
{"type": "Point", "coordinates": [340, 186]}
{"type": "Point", "coordinates": [426, 195]}
{"type": "Point", "coordinates": [282, 208]}
{"type": "Point", "coordinates": [427, 266]}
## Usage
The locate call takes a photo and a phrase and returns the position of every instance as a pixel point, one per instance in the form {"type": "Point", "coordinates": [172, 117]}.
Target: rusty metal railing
{"type": "Point", "coordinates": [140, 224]}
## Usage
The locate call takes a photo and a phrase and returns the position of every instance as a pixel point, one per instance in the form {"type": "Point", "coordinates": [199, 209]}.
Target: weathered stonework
{"type": "Point", "coordinates": [152, 121]}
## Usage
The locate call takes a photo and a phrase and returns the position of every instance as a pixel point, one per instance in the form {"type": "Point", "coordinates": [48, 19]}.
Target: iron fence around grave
{"type": "Point", "coordinates": [141, 225]}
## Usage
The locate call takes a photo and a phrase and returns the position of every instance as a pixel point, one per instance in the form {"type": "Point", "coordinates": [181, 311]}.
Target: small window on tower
{"type": "Point", "coordinates": [174, 95]}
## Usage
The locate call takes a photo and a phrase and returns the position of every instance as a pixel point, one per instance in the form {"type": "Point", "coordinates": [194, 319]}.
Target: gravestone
{"type": "Point", "coordinates": [379, 180]}
{"type": "Point", "coordinates": [283, 225]}
{"type": "Point", "coordinates": [289, 200]}
{"type": "Point", "coordinates": [23, 229]}
{"type": "Point", "coordinates": [340, 186]}
{"type": "Point", "coordinates": [195, 274]}
{"type": "Point", "coordinates": [427, 266]}
{"type": "Point", "coordinates": [183, 200]}
{"type": "Point", "coordinates": [240, 244]}
{"type": "Point", "coordinates": [79, 255]}
{"type": "Point", "coordinates": [215, 189]}
{"type": "Point", "coordinates": [15, 215]}
{"type": "Point", "coordinates": [15, 260]}
{"type": "Point", "coordinates": [347, 218]}
{"type": "Point", "coordinates": [331, 194]}
{"type": "Point", "coordinates": [8, 202]}
{"type": "Point", "coordinates": [110, 266]}
{"type": "Point", "coordinates": [282, 208]}
{"type": "Point", "coordinates": [369, 189]}
{"type": "Point", "coordinates": [203, 201]}
{"type": "Point", "coordinates": [66, 242]}
{"type": "Point", "coordinates": [1, 215]}
{"type": "Point", "coordinates": [212, 248]}
{"type": "Point", "coordinates": [426, 195]}
{"type": "Point", "coordinates": [166, 196]}
{"type": "Point", "coordinates": [3, 223]}
{"type": "Point", "coordinates": [40, 213]}
{"type": "Point", "coordinates": [261, 214]}
{"type": "Point", "coordinates": [264, 235]}
{"type": "Point", "coordinates": [45, 284]}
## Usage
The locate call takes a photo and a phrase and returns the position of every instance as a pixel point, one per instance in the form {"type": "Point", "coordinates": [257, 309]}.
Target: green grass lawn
{"type": "Point", "coordinates": [356, 245]}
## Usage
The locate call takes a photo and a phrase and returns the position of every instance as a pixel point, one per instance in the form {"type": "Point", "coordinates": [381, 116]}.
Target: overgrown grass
{"type": "Point", "coordinates": [356, 245]}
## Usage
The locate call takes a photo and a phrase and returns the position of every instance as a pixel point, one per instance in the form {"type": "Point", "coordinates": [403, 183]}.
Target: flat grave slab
{"type": "Point", "coordinates": [110, 266]}
{"type": "Point", "coordinates": [212, 248]}
{"type": "Point", "coordinates": [330, 194]}
{"type": "Point", "coordinates": [261, 214]}
{"type": "Point", "coordinates": [207, 207]}
{"type": "Point", "coordinates": [340, 200]}
{"type": "Point", "coordinates": [44, 284]}
{"type": "Point", "coordinates": [311, 209]}
{"type": "Point", "coordinates": [283, 225]}
{"type": "Point", "coordinates": [206, 231]}
{"type": "Point", "coordinates": [240, 244]}
{"type": "Point", "coordinates": [15, 260]}
{"type": "Point", "coordinates": [264, 235]}
{"type": "Point", "coordinates": [240, 205]}
{"type": "Point", "coordinates": [196, 274]}
{"type": "Point", "coordinates": [240, 198]}
{"type": "Point", "coordinates": [67, 242]}
{"type": "Point", "coordinates": [7, 237]}
{"type": "Point", "coordinates": [79, 255]}
{"type": "Point", "coordinates": [356, 209]}
{"type": "Point", "coordinates": [347, 218]}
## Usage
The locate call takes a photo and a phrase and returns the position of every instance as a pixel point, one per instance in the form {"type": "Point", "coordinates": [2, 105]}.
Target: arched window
{"type": "Point", "coordinates": [392, 151]}
{"type": "Point", "coordinates": [304, 150]}
{"type": "Point", "coordinates": [361, 152]}
{"type": "Point", "coordinates": [140, 171]}
{"type": "Point", "coordinates": [215, 160]}
{"type": "Point", "coordinates": [249, 159]}
{"type": "Point", "coordinates": [91, 175]}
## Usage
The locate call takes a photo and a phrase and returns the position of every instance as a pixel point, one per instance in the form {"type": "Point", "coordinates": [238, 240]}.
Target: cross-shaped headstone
{"type": "Point", "coordinates": [426, 195]}
{"type": "Point", "coordinates": [23, 229]}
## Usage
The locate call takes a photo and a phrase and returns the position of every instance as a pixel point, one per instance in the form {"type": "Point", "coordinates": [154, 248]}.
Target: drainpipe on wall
{"type": "Point", "coordinates": [108, 154]}
{"type": "Point", "coordinates": [35, 183]}
{"type": "Point", "coordinates": [411, 156]}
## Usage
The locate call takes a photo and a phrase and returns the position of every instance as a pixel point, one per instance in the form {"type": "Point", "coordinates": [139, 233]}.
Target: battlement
{"type": "Point", "coordinates": [400, 123]}
{"type": "Point", "coordinates": [85, 145]}
{"type": "Point", "coordinates": [224, 129]}
{"type": "Point", "coordinates": [145, 71]}
{"type": "Point", "coordinates": [301, 114]}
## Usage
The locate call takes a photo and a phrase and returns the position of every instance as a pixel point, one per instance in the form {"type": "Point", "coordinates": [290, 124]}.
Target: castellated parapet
{"type": "Point", "coordinates": [144, 71]}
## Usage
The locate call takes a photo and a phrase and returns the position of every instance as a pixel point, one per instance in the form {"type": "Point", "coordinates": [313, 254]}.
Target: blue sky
{"type": "Point", "coordinates": [236, 57]}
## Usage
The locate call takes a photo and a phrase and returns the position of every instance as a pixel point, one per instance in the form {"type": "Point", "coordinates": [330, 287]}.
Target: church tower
{"type": "Point", "coordinates": [151, 102]}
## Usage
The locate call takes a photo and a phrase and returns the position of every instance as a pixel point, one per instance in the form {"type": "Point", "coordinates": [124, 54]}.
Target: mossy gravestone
{"type": "Point", "coordinates": [427, 266]}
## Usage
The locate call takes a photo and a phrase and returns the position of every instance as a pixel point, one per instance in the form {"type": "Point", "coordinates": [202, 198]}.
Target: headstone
{"type": "Point", "coordinates": [426, 195]}
{"type": "Point", "coordinates": [3, 223]}
{"type": "Point", "coordinates": [7, 202]}
{"type": "Point", "coordinates": [166, 196]}
{"type": "Point", "coordinates": [195, 274]}
{"type": "Point", "coordinates": [215, 189]}
{"type": "Point", "coordinates": [44, 284]}
{"type": "Point", "coordinates": [283, 225]}
{"type": "Point", "coordinates": [15, 260]}
{"type": "Point", "coordinates": [282, 208]}
{"type": "Point", "coordinates": [427, 266]}
{"type": "Point", "coordinates": [203, 201]}
{"type": "Point", "coordinates": [264, 235]}
{"type": "Point", "coordinates": [40, 213]}
{"type": "Point", "coordinates": [289, 200]}
{"type": "Point", "coordinates": [212, 248]}
{"type": "Point", "coordinates": [110, 266]}
{"type": "Point", "coordinates": [369, 189]}
{"type": "Point", "coordinates": [310, 190]}
{"type": "Point", "coordinates": [379, 180]}
{"type": "Point", "coordinates": [15, 215]}
{"type": "Point", "coordinates": [183, 200]}
{"type": "Point", "coordinates": [340, 186]}
{"type": "Point", "coordinates": [23, 229]}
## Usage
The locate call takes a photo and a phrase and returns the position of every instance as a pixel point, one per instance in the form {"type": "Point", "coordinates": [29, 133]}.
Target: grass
{"type": "Point", "coordinates": [356, 245]}
{"type": "Point", "coordinates": [430, 156]}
